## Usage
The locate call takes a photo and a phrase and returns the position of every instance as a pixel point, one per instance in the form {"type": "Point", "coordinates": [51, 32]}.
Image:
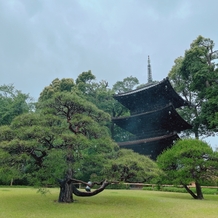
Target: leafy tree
{"type": "Point", "coordinates": [193, 77]}
{"type": "Point", "coordinates": [210, 106]}
{"type": "Point", "coordinates": [66, 137]}
{"type": "Point", "coordinates": [189, 160]}
{"type": "Point", "coordinates": [66, 122]}
{"type": "Point", "coordinates": [128, 84]}
{"type": "Point", "coordinates": [13, 103]}
{"type": "Point", "coordinates": [99, 94]}
{"type": "Point", "coordinates": [199, 63]}
{"type": "Point", "coordinates": [128, 166]}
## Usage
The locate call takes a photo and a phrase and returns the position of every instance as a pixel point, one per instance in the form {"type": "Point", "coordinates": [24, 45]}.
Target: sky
{"type": "Point", "coordinates": [41, 40]}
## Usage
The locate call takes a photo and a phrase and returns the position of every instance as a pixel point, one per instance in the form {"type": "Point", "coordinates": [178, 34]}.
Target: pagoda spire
{"type": "Point", "coordinates": [149, 71]}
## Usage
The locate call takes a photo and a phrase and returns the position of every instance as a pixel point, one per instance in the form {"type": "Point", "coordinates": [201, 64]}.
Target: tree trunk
{"type": "Point", "coordinates": [199, 191]}
{"type": "Point", "coordinates": [199, 194]}
{"type": "Point", "coordinates": [12, 180]}
{"type": "Point", "coordinates": [190, 191]}
{"type": "Point", "coordinates": [68, 188]}
{"type": "Point", "coordinates": [66, 191]}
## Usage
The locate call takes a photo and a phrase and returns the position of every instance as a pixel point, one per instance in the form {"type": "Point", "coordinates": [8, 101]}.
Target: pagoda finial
{"type": "Point", "coordinates": [149, 71]}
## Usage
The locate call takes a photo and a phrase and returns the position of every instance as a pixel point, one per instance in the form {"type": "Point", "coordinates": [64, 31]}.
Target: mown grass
{"type": "Point", "coordinates": [205, 190]}
{"type": "Point", "coordinates": [26, 202]}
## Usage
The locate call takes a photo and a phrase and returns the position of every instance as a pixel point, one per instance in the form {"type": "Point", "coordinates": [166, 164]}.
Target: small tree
{"type": "Point", "coordinates": [128, 166]}
{"type": "Point", "coordinates": [189, 160]}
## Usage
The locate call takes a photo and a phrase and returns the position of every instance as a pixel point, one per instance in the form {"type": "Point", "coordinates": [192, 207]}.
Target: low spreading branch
{"type": "Point", "coordinates": [89, 194]}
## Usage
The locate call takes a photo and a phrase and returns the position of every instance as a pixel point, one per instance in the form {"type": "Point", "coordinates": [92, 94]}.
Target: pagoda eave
{"type": "Point", "coordinates": [148, 122]}
{"type": "Point", "coordinates": [151, 147]}
{"type": "Point", "coordinates": [156, 94]}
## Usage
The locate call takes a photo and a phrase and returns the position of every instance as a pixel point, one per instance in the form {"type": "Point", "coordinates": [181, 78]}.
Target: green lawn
{"type": "Point", "coordinates": [26, 202]}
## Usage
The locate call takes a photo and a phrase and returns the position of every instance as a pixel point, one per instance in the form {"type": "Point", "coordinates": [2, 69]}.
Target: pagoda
{"type": "Point", "coordinates": [153, 121]}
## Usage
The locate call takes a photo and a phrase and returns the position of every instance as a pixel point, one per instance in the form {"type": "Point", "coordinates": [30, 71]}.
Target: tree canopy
{"type": "Point", "coordinates": [128, 84]}
{"type": "Point", "coordinates": [13, 103]}
{"type": "Point", "coordinates": [128, 166]}
{"type": "Point", "coordinates": [67, 140]}
{"type": "Point", "coordinates": [194, 76]}
{"type": "Point", "coordinates": [188, 161]}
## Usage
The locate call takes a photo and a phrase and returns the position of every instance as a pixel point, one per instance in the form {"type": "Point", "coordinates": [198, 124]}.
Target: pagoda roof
{"type": "Point", "coordinates": [150, 146]}
{"type": "Point", "coordinates": [151, 96]}
{"type": "Point", "coordinates": [153, 123]}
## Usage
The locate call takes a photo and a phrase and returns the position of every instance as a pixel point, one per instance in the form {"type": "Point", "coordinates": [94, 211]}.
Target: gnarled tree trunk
{"type": "Point", "coordinates": [66, 191]}
{"type": "Point", "coordinates": [68, 188]}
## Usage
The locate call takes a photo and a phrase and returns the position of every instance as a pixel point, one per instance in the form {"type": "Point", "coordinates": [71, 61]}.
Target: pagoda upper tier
{"type": "Point", "coordinates": [150, 97]}
{"type": "Point", "coordinates": [159, 122]}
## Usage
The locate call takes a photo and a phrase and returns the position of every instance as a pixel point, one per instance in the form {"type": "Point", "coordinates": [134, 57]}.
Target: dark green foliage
{"type": "Point", "coordinates": [63, 85]}
{"type": "Point", "coordinates": [128, 166]}
{"type": "Point", "coordinates": [67, 137]}
{"type": "Point", "coordinates": [189, 160]}
{"type": "Point", "coordinates": [210, 107]}
{"type": "Point", "coordinates": [67, 128]}
{"type": "Point", "coordinates": [194, 77]}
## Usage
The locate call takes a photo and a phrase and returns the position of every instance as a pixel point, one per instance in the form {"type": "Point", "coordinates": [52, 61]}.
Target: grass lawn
{"type": "Point", "coordinates": [26, 202]}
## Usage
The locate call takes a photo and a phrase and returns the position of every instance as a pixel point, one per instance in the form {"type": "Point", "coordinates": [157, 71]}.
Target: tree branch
{"type": "Point", "coordinates": [190, 191]}
{"type": "Point", "coordinates": [89, 194]}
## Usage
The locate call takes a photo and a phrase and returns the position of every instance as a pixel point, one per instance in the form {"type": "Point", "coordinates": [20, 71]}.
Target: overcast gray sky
{"type": "Point", "coordinates": [41, 40]}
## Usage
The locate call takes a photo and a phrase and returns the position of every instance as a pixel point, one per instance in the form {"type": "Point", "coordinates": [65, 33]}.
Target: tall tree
{"type": "Point", "coordinates": [192, 76]}
{"type": "Point", "coordinates": [189, 160]}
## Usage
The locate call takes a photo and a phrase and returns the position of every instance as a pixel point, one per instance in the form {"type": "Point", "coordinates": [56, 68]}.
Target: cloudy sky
{"type": "Point", "coordinates": [41, 40]}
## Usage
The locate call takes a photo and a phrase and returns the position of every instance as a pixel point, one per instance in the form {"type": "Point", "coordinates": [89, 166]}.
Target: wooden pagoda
{"type": "Point", "coordinates": [153, 119]}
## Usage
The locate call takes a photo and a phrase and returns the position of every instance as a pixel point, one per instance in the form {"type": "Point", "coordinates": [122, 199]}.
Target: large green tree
{"type": "Point", "coordinates": [66, 122]}
{"type": "Point", "coordinates": [67, 137]}
{"type": "Point", "coordinates": [194, 77]}
{"type": "Point", "coordinates": [188, 161]}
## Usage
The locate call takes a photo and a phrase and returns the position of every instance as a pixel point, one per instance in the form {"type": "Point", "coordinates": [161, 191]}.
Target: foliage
{"type": "Point", "coordinates": [210, 107]}
{"type": "Point", "coordinates": [189, 160]}
{"type": "Point", "coordinates": [194, 77]}
{"type": "Point", "coordinates": [57, 85]}
{"type": "Point", "coordinates": [128, 84]}
{"type": "Point", "coordinates": [129, 166]}
{"type": "Point", "coordinates": [101, 95]}
{"type": "Point", "coordinates": [13, 103]}
{"type": "Point", "coordinates": [68, 137]}
{"type": "Point", "coordinates": [39, 141]}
